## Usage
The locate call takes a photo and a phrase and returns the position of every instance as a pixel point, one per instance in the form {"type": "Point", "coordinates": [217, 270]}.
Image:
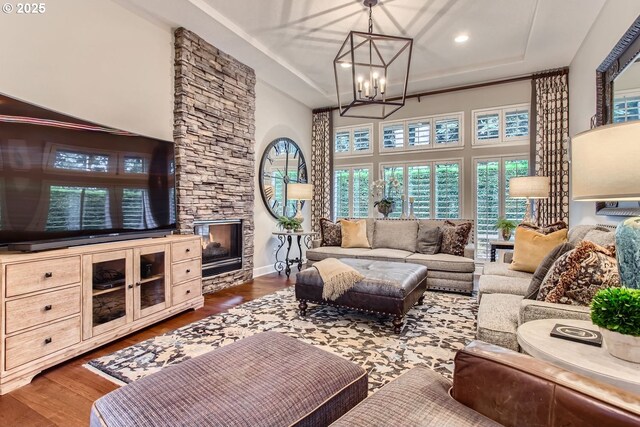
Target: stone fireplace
{"type": "Point", "coordinates": [214, 133]}
{"type": "Point", "coordinates": [221, 245]}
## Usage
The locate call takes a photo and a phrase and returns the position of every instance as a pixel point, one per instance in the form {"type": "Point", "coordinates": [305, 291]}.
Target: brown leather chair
{"type": "Point", "coordinates": [517, 390]}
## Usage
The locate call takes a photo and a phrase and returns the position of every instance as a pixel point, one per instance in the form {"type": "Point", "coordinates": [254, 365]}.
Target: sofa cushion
{"type": "Point", "coordinates": [396, 234]}
{"type": "Point", "coordinates": [419, 397]}
{"type": "Point", "coordinates": [256, 381]}
{"type": "Point", "coordinates": [455, 237]}
{"type": "Point", "coordinates": [578, 232]}
{"type": "Point", "coordinates": [354, 234]}
{"type": "Point", "coordinates": [382, 254]}
{"type": "Point", "coordinates": [444, 262]}
{"type": "Point", "coordinates": [498, 320]}
{"type": "Point", "coordinates": [502, 285]}
{"type": "Point", "coordinates": [330, 233]}
{"type": "Point", "coordinates": [545, 229]}
{"type": "Point", "coordinates": [531, 247]}
{"type": "Point", "coordinates": [429, 240]}
{"type": "Point", "coordinates": [543, 269]}
{"type": "Point", "coordinates": [318, 254]}
{"type": "Point", "coordinates": [502, 269]}
{"type": "Point", "coordinates": [579, 274]}
{"type": "Point", "coordinates": [601, 237]}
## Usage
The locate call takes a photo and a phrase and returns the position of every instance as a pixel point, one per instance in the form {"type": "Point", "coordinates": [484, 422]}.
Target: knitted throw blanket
{"type": "Point", "coordinates": [337, 277]}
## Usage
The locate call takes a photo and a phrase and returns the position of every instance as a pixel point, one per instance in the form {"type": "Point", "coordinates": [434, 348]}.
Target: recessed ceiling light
{"type": "Point", "coordinates": [461, 38]}
{"type": "Point", "coordinates": [345, 64]}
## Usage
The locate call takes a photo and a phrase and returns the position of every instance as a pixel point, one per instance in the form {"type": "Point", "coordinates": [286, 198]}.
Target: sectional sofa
{"type": "Point", "coordinates": [501, 293]}
{"type": "Point", "coordinates": [396, 240]}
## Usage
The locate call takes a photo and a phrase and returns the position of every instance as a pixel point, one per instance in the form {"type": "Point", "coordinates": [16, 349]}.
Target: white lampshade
{"type": "Point", "coordinates": [604, 163]}
{"type": "Point", "coordinates": [300, 191]}
{"type": "Point", "coordinates": [530, 187]}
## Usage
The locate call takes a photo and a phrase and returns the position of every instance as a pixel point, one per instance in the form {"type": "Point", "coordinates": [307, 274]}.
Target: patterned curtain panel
{"type": "Point", "coordinates": [550, 116]}
{"type": "Point", "coordinates": [321, 166]}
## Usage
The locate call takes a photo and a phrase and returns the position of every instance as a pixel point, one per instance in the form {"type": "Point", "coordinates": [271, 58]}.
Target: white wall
{"type": "Point", "coordinates": [92, 59]}
{"type": "Point", "coordinates": [614, 20]}
{"type": "Point", "coordinates": [277, 115]}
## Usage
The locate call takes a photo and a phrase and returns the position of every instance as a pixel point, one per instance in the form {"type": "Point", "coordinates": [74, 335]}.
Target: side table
{"type": "Point", "coordinates": [594, 362]}
{"type": "Point", "coordinates": [499, 244]}
{"type": "Point", "coordinates": [285, 237]}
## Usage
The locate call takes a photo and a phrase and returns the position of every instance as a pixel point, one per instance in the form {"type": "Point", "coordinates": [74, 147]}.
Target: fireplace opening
{"type": "Point", "coordinates": [221, 245]}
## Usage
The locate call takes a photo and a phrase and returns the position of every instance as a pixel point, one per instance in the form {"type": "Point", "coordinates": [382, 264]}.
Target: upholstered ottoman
{"type": "Point", "coordinates": [388, 288]}
{"type": "Point", "coordinates": [268, 379]}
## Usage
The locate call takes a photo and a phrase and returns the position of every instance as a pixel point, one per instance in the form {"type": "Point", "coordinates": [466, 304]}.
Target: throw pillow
{"type": "Point", "coordinates": [396, 234]}
{"type": "Point", "coordinates": [429, 240]}
{"type": "Point", "coordinates": [543, 269]}
{"type": "Point", "coordinates": [354, 234]}
{"type": "Point", "coordinates": [531, 247]}
{"type": "Point", "coordinates": [576, 276]}
{"type": "Point", "coordinates": [544, 229]}
{"type": "Point", "coordinates": [455, 238]}
{"type": "Point", "coordinates": [330, 233]}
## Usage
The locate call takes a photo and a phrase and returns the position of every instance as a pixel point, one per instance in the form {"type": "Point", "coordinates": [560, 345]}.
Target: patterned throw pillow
{"type": "Point", "coordinates": [577, 275]}
{"type": "Point", "coordinates": [544, 229]}
{"type": "Point", "coordinates": [330, 233]}
{"type": "Point", "coordinates": [455, 238]}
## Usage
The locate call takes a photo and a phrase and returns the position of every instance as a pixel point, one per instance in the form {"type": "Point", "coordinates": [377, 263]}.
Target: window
{"type": "Point", "coordinates": [501, 125]}
{"type": "Point", "coordinates": [419, 134]}
{"type": "Point", "coordinates": [79, 161]}
{"type": "Point", "coordinates": [136, 212]}
{"type": "Point", "coordinates": [492, 198]}
{"type": "Point", "coordinates": [353, 141]}
{"type": "Point", "coordinates": [135, 164]}
{"type": "Point", "coordinates": [351, 186]}
{"type": "Point", "coordinates": [626, 106]}
{"type": "Point", "coordinates": [435, 188]}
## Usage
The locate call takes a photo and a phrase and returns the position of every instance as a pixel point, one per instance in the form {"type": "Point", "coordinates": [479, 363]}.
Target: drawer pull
{"type": "Point", "coordinates": [188, 250]}
{"type": "Point", "coordinates": [137, 283]}
{"type": "Point", "coordinates": [188, 270]}
{"type": "Point", "coordinates": [48, 275]}
{"type": "Point", "coordinates": [48, 307]}
{"type": "Point", "coordinates": [130, 286]}
{"type": "Point", "coordinates": [48, 340]}
{"type": "Point", "coordinates": [188, 291]}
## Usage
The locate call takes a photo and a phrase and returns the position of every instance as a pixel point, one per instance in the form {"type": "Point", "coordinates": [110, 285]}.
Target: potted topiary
{"type": "Point", "coordinates": [289, 224]}
{"type": "Point", "coordinates": [617, 312]}
{"type": "Point", "coordinates": [506, 227]}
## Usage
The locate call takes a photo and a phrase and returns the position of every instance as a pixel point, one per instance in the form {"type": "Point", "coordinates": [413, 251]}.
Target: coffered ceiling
{"type": "Point", "coordinates": [292, 43]}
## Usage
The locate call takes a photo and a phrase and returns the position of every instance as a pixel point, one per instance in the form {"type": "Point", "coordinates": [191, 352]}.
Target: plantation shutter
{"type": "Point", "coordinates": [487, 205]}
{"type": "Point", "coordinates": [447, 187]}
{"type": "Point", "coordinates": [419, 187]}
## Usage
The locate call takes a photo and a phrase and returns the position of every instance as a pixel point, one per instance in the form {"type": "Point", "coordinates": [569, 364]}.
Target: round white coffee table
{"type": "Point", "coordinates": [588, 360]}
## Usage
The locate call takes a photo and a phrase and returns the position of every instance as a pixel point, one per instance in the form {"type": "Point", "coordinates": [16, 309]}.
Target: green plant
{"type": "Point", "coordinates": [618, 310]}
{"type": "Point", "coordinates": [286, 223]}
{"type": "Point", "coordinates": [505, 224]}
{"type": "Point", "coordinates": [383, 203]}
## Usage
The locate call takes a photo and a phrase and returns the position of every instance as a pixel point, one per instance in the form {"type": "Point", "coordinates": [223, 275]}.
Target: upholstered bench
{"type": "Point", "coordinates": [268, 379]}
{"type": "Point", "coordinates": [388, 288]}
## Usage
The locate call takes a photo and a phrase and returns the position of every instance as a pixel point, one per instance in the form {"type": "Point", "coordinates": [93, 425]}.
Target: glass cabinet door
{"type": "Point", "coordinates": [152, 283]}
{"type": "Point", "coordinates": [107, 301]}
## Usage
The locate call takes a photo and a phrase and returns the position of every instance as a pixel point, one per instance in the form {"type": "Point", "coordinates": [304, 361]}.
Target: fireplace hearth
{"type": "Point", "coordinates": [221, 245]}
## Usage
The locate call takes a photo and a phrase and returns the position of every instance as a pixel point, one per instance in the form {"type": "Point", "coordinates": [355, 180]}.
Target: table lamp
{"type": "Point", "coordinates": [299, 192]}
{"type": "Point", "coordinates": [529, 187]}
{"type": "Point", "coordinates": [604, 167]}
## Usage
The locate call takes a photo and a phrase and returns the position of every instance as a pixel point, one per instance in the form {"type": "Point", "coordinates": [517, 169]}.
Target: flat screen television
{"type": "Point", "coordinates": [66, 182]}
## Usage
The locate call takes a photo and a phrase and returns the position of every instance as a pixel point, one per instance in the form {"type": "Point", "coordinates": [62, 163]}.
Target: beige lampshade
{"type": "Point", "coordinates": [300, 191]}
{"type": "Point", "coordinates": [604, 163]}
{"type": "Point", "coordinates": [530, 187]}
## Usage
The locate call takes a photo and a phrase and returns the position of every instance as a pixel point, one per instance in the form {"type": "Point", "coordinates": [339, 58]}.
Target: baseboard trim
{"type": "Point", "coordinates": [261, 271]}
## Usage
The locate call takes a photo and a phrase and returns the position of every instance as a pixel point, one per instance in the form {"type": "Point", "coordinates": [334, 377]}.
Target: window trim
{"type": "Point", "coordinates": [352, 152]}
{"type": "Point", "coordinates": [501, 159]}
{"type": "Point", "coordinates": [502, 140]}
{"type": "Point", "coordinates": [431, 164]}
{"type": "Point", "coordinates": [432, 132]}
{"type": "Point", "coordinates": [350, 168]}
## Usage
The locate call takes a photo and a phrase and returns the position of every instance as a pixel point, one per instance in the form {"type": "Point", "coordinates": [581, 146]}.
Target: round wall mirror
{"type": "Point", "coordinates": [282, 163]}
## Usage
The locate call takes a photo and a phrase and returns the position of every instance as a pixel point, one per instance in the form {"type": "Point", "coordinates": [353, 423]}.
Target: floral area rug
{"type": "Point", "coordinates": [432, 333]}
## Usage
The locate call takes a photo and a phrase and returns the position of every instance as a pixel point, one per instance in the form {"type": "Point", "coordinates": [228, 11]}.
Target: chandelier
{"type": "Point", "coordinates": [366, 67]}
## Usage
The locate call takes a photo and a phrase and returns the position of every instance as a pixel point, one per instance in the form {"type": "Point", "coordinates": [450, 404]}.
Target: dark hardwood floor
{"type": "Point", "coordinates": [62, 396]}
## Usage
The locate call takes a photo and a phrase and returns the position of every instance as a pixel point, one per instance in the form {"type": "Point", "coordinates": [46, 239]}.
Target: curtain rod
{"type": "Point", "coordinates": [559, 71]}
